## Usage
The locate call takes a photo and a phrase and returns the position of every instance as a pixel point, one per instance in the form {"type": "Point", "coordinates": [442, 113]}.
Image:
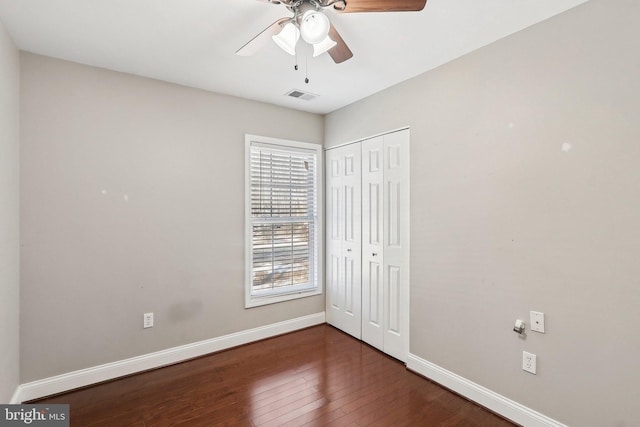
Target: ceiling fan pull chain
{"type": "Point", "coordinates": [306, 69]}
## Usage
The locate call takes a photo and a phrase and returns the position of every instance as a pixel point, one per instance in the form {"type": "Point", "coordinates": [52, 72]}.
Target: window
{"type": "Point", "coordinates": [283, 220]}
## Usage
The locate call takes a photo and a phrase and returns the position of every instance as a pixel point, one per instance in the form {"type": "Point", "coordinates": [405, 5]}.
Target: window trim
{"type": "Point", "coordinates": [287, 145]}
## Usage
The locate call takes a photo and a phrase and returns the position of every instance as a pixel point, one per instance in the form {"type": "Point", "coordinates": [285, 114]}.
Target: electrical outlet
{"type": "Point", "coordinates": [537, 321]}
{"type": "Point", "coordinates": [147, 320]}
{"type": "Point", "coordinates": [529, 362]}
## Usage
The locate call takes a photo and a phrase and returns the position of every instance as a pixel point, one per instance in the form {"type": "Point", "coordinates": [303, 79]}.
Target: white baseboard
{"type": "Point", "coordinates": [108, 371]}
{"type": "Point", "coordinates": [497, 403]}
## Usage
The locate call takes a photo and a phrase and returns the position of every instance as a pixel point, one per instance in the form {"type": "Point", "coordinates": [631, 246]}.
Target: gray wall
{"type": "Point", "coordinates": [132, 201]}
{"type": "Point", "coordinates": [9, 216]}
{"type": "Point", "coordinates": [504, 221]}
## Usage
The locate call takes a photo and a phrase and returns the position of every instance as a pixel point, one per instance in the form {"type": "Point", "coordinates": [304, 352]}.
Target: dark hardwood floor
{"type": "Point", "coordinates": [314, 377]}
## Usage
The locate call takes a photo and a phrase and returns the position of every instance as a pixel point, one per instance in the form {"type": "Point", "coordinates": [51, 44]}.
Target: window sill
{"type": "Point", "coordinates": [257, 301]}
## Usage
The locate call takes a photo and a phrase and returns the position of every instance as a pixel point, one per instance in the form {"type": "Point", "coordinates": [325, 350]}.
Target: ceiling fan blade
{"type": "Point", "coordinates": [340, 52]}
{"type": "Point", "coordinates": [258, 42]}
{"type": "Point", "coordinates": [287, 2]}
{"type": "Point", "coordinates": [351, 6]}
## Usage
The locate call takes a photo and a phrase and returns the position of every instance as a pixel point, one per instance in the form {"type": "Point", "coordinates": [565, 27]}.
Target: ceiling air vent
{"type": "Point", "coordinates": [301, 95]}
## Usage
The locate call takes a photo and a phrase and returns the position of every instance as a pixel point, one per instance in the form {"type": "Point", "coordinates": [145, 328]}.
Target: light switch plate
{"type": "Point", "coordinates": [537, 322]}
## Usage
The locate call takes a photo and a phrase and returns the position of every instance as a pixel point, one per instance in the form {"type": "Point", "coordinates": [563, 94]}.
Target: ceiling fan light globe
{"type": "Point", "coordinates": [323, 46]}
{"type": "Point", "coordinates": [314, 27]}
{"type": "Point", "coordinates": [287, 38]}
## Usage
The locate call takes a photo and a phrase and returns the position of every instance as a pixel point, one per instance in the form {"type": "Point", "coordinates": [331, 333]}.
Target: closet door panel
{"type": "Point", "coordinates": [372, 243]}
{"type": "Point", "coordinates": [396, 244]}
{"type": "Point", "coordinates": [334, 274]}
{"type": "Point", "coordinates": [344, 235]}
{"type": "Point", "coordinates": [352, 243]}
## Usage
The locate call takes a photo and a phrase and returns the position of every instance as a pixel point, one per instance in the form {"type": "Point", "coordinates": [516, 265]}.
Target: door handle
{"type": "Point", "coordinates": [375, 254]}
{"type": "Point", "coordinates": [349, 250]}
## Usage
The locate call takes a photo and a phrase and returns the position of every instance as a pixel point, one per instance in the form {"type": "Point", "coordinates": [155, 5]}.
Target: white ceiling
{"type": "Point", "coordinates": [192, 42]}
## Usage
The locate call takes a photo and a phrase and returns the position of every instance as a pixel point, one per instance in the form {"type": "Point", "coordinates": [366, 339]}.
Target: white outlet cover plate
{"type": "Point", "coordinates": [147, 321]}
{"type": "Point", "coordinates": [529, 362]}
{"type": "Point", "coordinates": [537, 321]}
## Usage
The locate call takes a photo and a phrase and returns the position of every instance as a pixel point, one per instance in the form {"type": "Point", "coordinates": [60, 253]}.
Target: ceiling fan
{"type": "Point", "coordinates": [311, 23]}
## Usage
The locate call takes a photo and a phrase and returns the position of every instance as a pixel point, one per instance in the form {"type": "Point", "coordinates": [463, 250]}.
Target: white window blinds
{"type": "Point", "coordinates": [283, 215]}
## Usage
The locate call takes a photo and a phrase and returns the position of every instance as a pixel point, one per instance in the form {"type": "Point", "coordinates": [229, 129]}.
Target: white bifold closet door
{"type": "Point", "coordinates": [385, 243]}
{"type": "Point", "coordinates": [344, 257]}
{"type": "Point", "coordinates": [384, 298]}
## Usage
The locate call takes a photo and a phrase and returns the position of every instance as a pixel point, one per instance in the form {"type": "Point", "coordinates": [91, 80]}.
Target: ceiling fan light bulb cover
{"type": "Point", "coordinates": [314, 27]}
{"type": "Point", "coordinates": [288, 38]}
{"type": "Point", "coordinates": [323, 46]}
